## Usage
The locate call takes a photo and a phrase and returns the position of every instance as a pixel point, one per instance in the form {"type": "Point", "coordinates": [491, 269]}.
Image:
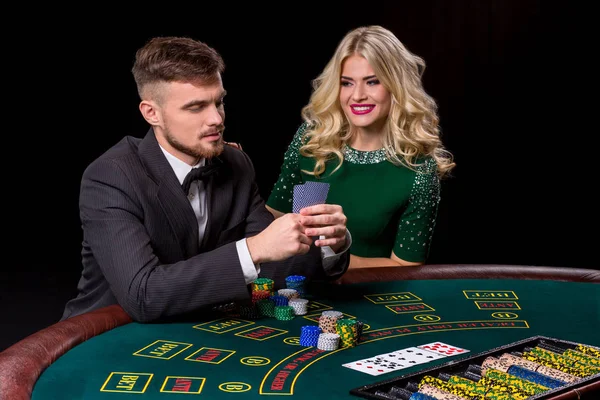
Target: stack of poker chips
{"type": "Point", "coordinates": [359, 330]}
{"type": "Point", "coordinates": [296, 282]}
{"type": "Point", "coordinates": [288, 293]}
{"type": "Point", "coordinates": [300, 306]}
{"type": "Point", "coordinates": [263, 284]}
{"type": "Point", "coordinates": [512, 359]}
{"type": "Point", "coordinates": [262, 288]}
{"type": "Point", "coordinates": [572, 354]}
{"type": "Point", "coordinates": [483, 387]}
{"type": "Point", "coordinates": [283, 304]}
{"type": "Point", "coordinates": [437, 393]}
{"type": "Point", "coordinates": [309, 335]}
{"type": "Point", "coordinates": [328, 341]}
{"type": "Point", "coordinates": [266, 307]}
{"type": "Point", "coordinates": [260, 295]}
{"type": "Point", "coordinates": [429, 381]}
{"type": "Point", "coordinates": [328, 321]}
{"type": "Point", "coordinates": [279, 300]}
{"type": "Point", "coordinates": [453, 387]}
{"type": "Point", "coordinates": [587, 350]}
{"type": "Point", "coordinates": [528, 382]}
{"type": "Point", "coordinates": [249, 311]}
{"type": "Point", "coordinates": [562, 362]}
{"type": "Point", "coordinates": [284, 313]}
{"type": "Point", "coordinates": [346, 329]}
{"type": "Point", "coordinates": [517, 376]}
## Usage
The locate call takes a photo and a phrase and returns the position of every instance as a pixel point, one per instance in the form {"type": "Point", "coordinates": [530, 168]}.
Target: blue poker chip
{"type": "Point", "coordinates": [296, 282]}
{"type": "Point", "coordinates": [295, 278]}
{"type": "Point", "coordinates": [311, 329]}
{"type": "Point", "coordinates": [309, 335]}
{"type": "Point", "coordinates": [279, 300]}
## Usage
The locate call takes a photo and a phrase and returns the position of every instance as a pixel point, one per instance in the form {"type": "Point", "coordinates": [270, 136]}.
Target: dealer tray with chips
{"type": "Point", "coordinates": [539, 367]}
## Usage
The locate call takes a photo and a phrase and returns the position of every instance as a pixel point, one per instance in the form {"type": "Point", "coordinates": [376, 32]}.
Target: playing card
{"type": "Point", "coordinates": [309, 194]}
{"type": "Point", "coordinates": [415, 356]}
{"type": "Point", "coordinates": [396, 360]}
{"type": "Point", "coordinates": [399, 360]}
{"type": "Point", "coordinates": [374, 365]}
{"type": "Point", "coordinates": [443, 348]}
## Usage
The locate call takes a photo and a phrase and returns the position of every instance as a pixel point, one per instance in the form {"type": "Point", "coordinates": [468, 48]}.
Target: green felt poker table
{"type": "Point", "coordinates": [105, 355]}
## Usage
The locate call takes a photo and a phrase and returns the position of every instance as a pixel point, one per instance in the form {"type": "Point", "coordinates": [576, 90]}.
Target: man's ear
{"type": "Point", "coordinates": [150, 112]}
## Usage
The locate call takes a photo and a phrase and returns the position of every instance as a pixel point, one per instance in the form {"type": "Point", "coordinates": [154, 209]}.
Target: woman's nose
{"type": "Point", "coordinates": [359, 93]}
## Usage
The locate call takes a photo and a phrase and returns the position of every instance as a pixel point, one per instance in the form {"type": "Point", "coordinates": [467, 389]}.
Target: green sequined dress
{"type": "Point", "coordinates": [388, 207]}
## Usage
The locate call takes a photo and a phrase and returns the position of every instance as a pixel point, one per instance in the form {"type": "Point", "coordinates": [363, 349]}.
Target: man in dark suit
{"type": "Point", "coordinates": [162, 243]}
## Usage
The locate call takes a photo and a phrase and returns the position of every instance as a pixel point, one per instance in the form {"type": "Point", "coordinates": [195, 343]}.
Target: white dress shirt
{"type": "Point", "coordinates": [197, 198]}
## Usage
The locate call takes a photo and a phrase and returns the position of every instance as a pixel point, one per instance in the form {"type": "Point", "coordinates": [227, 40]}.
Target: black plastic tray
{"type": "Point", "coordinates": [461, 365]}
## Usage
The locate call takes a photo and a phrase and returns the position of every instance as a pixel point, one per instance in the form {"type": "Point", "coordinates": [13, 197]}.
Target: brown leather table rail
{"type": "Point", "coordinates": [22, 363]}
{"type": "Point", "coordinates": [470, 271]}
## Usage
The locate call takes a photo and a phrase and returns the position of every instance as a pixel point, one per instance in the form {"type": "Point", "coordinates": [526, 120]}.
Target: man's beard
{"type": "Point", "coordinates": [202, 150]}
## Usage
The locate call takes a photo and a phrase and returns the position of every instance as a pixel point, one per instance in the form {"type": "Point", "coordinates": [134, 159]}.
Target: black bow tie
{"type": "Point", "coordinates": [200, 173]}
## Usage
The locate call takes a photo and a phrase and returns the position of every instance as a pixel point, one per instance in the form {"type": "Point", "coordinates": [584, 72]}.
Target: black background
{"type": "Point", "coordinates": [512, 80]}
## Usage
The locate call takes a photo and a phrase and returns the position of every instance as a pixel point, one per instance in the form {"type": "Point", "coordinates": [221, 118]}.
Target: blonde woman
{"type": "Point", "coordinates": [371, 131]}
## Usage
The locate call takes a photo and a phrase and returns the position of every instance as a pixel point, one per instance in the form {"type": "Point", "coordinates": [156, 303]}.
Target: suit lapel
{"type": "Point", "coordinates": [173, 201]}
{"type": "Point", "coordinates": [180, 213]}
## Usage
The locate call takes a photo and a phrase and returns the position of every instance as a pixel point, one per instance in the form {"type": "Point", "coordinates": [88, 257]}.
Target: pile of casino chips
{"type": "Point", "coordinates": [296, 282]}
{"type": "Point", "coordinates": [309, 335]}
{"type": "Point", "coordinates": [348, 330]}
{"type": "Point", "coordinates": [283, 304]}
{"type": "Point", "coordinates": [333, 332]}
{"type": "Point", "coordinates": [514, 375]}
{"type": "Point", "coordinates": [300, 306]}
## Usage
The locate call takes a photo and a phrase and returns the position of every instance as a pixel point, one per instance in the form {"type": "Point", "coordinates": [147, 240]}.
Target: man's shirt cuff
{"type": "Point", "coordinates": [250, 269]}
{"type": "Point", "coordinates": [330, 257]}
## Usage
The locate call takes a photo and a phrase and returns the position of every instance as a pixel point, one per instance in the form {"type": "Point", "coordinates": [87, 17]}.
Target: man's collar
{"type": "Point", "coordinates": [180, 168]}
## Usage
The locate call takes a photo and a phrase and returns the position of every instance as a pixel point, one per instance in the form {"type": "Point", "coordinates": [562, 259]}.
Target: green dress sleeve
{"type": "Point", "coordinates": [416, 225]}
{"type": "Point", "coordinates": [282, 193]}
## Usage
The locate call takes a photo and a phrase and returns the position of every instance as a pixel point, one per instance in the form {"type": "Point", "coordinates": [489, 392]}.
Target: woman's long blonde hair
{"type": "Point", "coordinates": [412, 129]}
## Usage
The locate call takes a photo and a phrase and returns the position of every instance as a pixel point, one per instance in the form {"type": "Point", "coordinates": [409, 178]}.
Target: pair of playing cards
{"type": "Point", "coordinates": [309, 194]}
{"type": "Point", "coordinates": [404, 358]}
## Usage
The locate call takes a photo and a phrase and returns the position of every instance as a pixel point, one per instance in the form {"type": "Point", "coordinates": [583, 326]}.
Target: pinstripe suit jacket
{"type": "Point", "coordinates": [141, 243]}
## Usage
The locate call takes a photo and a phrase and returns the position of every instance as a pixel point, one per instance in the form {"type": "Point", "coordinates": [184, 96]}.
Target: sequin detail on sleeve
{"type": "Point", "coordinates": [282, 193]}
{"type": "Point", "coordinates": [417, 223]}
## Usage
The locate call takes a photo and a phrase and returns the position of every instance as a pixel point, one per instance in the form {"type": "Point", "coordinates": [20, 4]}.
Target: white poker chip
{"type": "Point", "coordinates": [300, 306]}
{"type": "Point", "coordinates": [328, 341]}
